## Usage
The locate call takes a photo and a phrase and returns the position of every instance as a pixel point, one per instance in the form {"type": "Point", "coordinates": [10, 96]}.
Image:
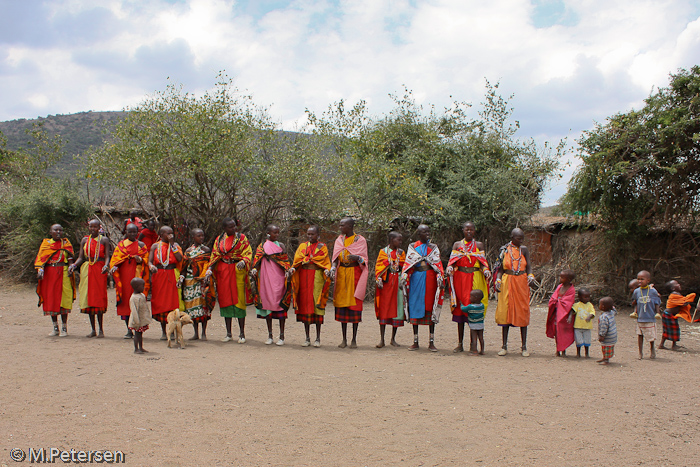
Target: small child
{"type": "Point", "coordinates": [647, 301]}
{"type": "Point", "coordinates": [585, 312]}
{"type": "Point", "coordinates": [607, 329]}
{"type": "Point", "coordinates": [677, 305]}
{"type": "Point", "coordinates": [475, 318]}
{"type": "Point", "coordinates": [560, 318]}
{"type": "Point", "coordinates": [140, 316]}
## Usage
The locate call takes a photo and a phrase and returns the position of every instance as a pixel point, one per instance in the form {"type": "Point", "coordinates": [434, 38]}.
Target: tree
{"type": "Point", "coordinates": [31, 201]}
{"type": "Point", "coordinates": [641, 169]}
{"type": "Point", "coordinates": [441, 167]}
{"type": "Point", "coordinates": [195, 160]}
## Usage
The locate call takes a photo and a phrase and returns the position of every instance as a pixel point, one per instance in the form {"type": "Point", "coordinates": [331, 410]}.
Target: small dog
{"type": "Point", "coordinates": [177, 319]}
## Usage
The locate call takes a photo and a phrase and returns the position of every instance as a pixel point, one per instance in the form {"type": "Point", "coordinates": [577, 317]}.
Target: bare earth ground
{"type": "Point", "coordinates": [220, 403]}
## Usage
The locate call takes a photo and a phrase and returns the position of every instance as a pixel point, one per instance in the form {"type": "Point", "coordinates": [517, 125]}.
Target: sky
{"type": "Point", "coordinates": [568, 64]}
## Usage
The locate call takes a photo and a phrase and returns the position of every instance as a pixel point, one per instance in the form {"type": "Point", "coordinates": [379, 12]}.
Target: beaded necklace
{"type": "Point", "coordinates": [512, 260]}
{"type": "Point", "coordinates": [393, 263]}
{"type": "Point", "coordinates": [96, 256]}
{"type": "Point", "coordinates": [165, 262]}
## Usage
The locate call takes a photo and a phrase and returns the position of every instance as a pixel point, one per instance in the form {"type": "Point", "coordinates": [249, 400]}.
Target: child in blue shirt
{"type": "Point", "coordinates": [647, 302]}
{"type": "Point", "coordinates": [475, 318]}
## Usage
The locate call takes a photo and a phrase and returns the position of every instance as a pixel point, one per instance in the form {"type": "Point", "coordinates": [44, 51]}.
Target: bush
{"type": "Point", "coordinates": [26, 217]}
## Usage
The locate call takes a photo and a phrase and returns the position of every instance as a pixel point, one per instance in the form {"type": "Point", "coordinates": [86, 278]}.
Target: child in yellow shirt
{"type": "Point", "coordinates": [585, 312]}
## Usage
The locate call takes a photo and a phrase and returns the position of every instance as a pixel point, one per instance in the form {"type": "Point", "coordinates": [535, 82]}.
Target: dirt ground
{"type": "Point", "coordinates": [218, 403]}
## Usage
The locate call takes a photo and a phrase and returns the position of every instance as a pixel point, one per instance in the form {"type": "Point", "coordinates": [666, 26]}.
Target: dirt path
{"type": "Point", "coordinates": [228, 404]}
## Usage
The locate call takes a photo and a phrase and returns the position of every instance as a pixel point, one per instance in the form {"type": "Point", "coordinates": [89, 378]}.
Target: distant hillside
{"type": "Point", "coordinates": [78, 131]}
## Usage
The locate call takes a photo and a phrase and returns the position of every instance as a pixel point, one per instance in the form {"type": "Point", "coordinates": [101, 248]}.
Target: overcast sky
{"type": "Point", "coordinates": [568, 63]}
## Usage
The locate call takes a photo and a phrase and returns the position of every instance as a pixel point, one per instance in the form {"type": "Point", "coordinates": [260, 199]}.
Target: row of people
{"type": "Point", "coordinates": [409, 284]}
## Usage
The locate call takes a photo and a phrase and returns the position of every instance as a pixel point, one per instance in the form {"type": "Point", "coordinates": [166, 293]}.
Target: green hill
{"type": "Point", "coordinates": [79, 131]}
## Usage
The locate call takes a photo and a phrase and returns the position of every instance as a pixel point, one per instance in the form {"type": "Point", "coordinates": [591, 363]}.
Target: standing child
{"type": "Point", "coordinates": [647, 301]}
{"type": "Point", "coordinates": [475, 312]}
{"type": "Point", "coordinates": [585, 312]}
{"type": "Point", "coordinates": [560, 319]}
{"type": "Point", "coordinates": [607, 329]}
{"type": "Point", "coordinates": [676, 306]}
{"type": "Point", "coordinates": [388, 299]}
{"type": "Point", "coordinates": [140, 316]}
{"type": "Point", "coordinates": [268, 277]}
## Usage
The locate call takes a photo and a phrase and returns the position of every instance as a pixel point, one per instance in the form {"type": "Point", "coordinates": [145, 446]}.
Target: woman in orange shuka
{"type": "Point", "coordinates": [56, 289]}
{"type": "Point", "coordinates": [128, 261]}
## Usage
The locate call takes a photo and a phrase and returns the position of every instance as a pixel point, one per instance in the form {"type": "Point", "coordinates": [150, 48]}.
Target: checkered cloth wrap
{"type": "Point", "coordinates": [313, 318]}
{"type": "Point", "coordinates": [608, 351]}
{"type": "Point", "coordinates": [672, 331]}
{"type": "Point", "coordinates": [346, 315]}
{"type": "Point", "coordinates": [397, 323]}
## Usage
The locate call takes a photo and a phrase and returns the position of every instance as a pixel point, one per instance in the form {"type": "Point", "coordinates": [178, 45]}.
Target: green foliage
{"type": "Point", "coordinates": [440, 167]}
{"type": "Point", "coordinates": [26, 217]}
{"type": "Point", "coordinates": [195, 160]}
{"type": "Point", "coordinates": [28, 166]}
{"type": "Point", "coordinates": [641, 169]}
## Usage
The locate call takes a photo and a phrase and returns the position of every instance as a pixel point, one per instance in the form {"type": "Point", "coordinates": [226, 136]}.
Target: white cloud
{"type": "Point", "coordinates": [604, 59]}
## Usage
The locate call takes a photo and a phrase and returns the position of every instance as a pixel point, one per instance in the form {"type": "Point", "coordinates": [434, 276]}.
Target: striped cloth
{"type": "Point", "coordinates": [608, 351]}
{"type": "Point", "coordinates": [397, 323]}
{"type": "Point", "coordinates": [607, 327]}
{"type": "Point", "coordinates": [312, 318]}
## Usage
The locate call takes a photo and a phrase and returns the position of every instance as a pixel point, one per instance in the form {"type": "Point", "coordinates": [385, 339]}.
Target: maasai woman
{"type": "Point", "coordinates": [198, 293]}
{"type": "Point", "coordinates": [350, 273]}
{"type": "Point", "coordinates": [56, 289]}
{"type": "Point", "coordinates": [128, 261]}
{"type": "Point", "coordinates": [229, 264]}
{"type": "Point", "coordinates": [310, 283]}
{"type": "Point", "coordinates": [422, 280]}
{"type": "Point", "coordinates": [467, 270]}
{"type": "Point", "coordinates": [513, 286]}
{"type": "Point", "coordinates": [93, 260]}
{"type": "Point", "coordinates": [388, 298]}
{"type": "Point", "coordinates": [271, 293]}
{"type": "Point", "coordinates": [165, 263]}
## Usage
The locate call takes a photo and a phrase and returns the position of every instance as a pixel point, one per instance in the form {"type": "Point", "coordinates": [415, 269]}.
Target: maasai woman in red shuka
{"type": "Point", "coordinates": [129, 260]}
{"type": "Point", "coordinates": [148, 235]}
{"type": "Point", "coordinates": [388, 298]}
{"type": "Point", "coordinates": [350, 273]}
{"type": "Point", "coordinates": [230, 262]}
{"type": "Point", "coordinates": [310, 283]}
{"type": "Point", "coordinates": [467, 270]}
{"type": "Point", "coordinates": [560, 319]}
{"type": "Point", "coordinates": [271, 292]}
{"type": "Point", "coordinates": [422, 278]}
{"type": "Point", "coordinates": [165, 263]}
{"type": "Point", "coordinates": [93, 260]}
{"type": "Point", "coordinates": [56, 289]}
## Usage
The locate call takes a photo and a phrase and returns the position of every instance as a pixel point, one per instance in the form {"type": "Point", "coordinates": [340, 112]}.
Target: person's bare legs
{"type": "Point", "coordinates": [432, 347]}
{"type": "Point", "coordinates": [344, 330]}
{"type": "Point", "coordinates": [640, 344]}
{"type": "Point", "coordinates": [460, 338]}
{"type": "Point", "coordinates": [382, 330]}
{"type": "Point", "coordinates": [353, 343]}
{"type": "Point", "coordinates": [393, 337]}
{"type": "Point", "coordinates": [92, 325]}
{"type": "Point", "coordinates": [100, 333]}
{"type": "Point", "coordinates": [415, 338]}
